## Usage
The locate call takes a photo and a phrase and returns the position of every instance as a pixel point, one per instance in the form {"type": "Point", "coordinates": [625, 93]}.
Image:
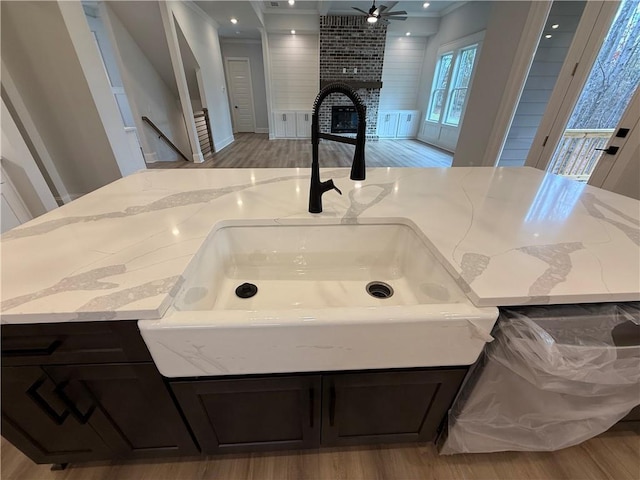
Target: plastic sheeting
{"type": "Point", "coordinates": [552, 378]}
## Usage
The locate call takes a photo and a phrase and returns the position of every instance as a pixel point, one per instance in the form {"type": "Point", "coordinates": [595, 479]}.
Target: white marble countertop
{"type": "Point", "coordinates": [510, 236]}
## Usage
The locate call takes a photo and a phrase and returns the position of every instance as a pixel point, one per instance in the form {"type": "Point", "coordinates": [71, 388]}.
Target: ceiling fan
{"type": "Point", "coordinates": [378, 13]}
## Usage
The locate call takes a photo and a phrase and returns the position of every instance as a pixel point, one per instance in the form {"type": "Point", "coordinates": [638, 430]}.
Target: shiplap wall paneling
{"type": "Point", "coordinates": [401, 72]}
{"type": "Point", "coordinates": [295, 71]}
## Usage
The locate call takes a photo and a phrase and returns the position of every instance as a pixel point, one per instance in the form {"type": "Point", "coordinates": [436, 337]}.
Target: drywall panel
{"type": "Point", "coordinates": [148, 95]}
{"type": "Point", "coordinates": [22, 169]}
{"type": "Point", "coordinates": [295, 71]}
{"type": "Point", "coordinates": [401, 72]}
{"type": "Point", "coordinates": [252, 51]}
{"type": "Point", "coordinates": [202, 37]}
{"type": "Point", "coordinates": [38, 52]}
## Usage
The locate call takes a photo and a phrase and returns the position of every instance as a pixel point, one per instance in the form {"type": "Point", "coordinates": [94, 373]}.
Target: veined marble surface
{"type": "Point", "coordinates": [510, 236]}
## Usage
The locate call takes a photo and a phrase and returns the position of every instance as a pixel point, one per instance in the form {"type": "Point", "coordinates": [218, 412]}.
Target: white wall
{"type": "Point", "coordinates": [464, 21]}
{"type": "Point", "coordinates": [401, 72]}
{"type": "Point", "coordinates": [38, 52]}
{"type": "Point", "coordinates": [506, 25]}
{"type": "Point", "coordinates": [252, 51]}
{"type": "Point", "coordinates": [22, 168]}
{"type": "Point", "coordinates": [202, 37]}
{"type": "Point", "coordinates": [295, 71]}
{"type": "Point", "coordinates": [148, 95]}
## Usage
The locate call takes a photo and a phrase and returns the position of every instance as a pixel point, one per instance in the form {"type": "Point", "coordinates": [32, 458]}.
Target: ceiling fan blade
{"type": "Point", "coordinates": [381, 9]}
{"type": "Point", "coordinates": [401, 12]}
{"type": "Point", "coordinates": [396, 18]}
{"type": "Point", "coordinates": [360, 10]}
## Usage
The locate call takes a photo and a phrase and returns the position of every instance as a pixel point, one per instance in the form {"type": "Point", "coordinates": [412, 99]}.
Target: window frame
{"type": "Point", "coordinates": [456, 48]}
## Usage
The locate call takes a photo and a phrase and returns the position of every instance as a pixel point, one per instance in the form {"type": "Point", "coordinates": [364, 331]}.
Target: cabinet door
{"type": "Point", "coordinates": [303, 124]}
{"type": "Point", "coordinates": [38, 422]}
{"type": "Point", "coordinates": [408, 124]}
{"type": "Point", "coordinates": [387, 124]}
{"type": "Point", "coordinates": [252, 414]}
{"type": "Point", "coordinates": [386, 407]}
{"type": "Point", "coordinates": [127, 404]}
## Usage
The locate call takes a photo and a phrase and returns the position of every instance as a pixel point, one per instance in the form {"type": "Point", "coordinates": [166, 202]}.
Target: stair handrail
{"type": "Point", "coordinates": [164, 137]}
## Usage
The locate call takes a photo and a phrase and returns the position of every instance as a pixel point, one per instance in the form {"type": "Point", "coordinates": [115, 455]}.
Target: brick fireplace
{"type": "Point", "coordinates": [352, 51]}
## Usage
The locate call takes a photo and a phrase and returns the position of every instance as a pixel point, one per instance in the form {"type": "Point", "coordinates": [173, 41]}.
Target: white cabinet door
{"type": "Point", "coordinates": [387, 124]}
{"type": "Point", "coordinates": [303, 124]}
{"type": "Point", "coordinates": [285, 124]}
{"type": "Point", "coordinates": [13, 211]}
{"type": "Point", "coordinates": [408, 122]}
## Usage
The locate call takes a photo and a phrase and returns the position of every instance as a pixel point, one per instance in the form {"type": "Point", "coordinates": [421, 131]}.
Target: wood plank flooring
{"type": "Point", "coordinates": [614, 456]}
{"type": "Point", "coordinates": [254, 150]}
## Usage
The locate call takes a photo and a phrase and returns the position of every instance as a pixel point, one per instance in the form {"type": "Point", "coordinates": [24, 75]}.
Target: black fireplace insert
{"type": "Point", "coordinates": [344, 119]}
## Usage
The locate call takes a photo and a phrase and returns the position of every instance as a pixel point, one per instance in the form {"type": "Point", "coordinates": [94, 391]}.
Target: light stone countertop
{"type": "Point", "coordinates": [510, 236]}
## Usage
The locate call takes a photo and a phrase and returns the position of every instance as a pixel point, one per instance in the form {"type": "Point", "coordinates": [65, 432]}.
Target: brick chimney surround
{"type": "Point", "coordinates": [352, 51]}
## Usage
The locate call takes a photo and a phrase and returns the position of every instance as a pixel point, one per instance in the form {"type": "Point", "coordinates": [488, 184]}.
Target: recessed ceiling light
{"type": "Point", "coordinates": [425, 4]}
{"type": "Point", "coordinates": [234, 20]}
{"type": "Point", "coordinates": [293, 32]}
{"type": "Point", "coordinates": [292, 2]}
{"type": "Point", "coordinates": [548, 35]}
{"type": "Point", "coordinates": [408, 34]}
{"type": "Point", "coordinates": [554, 26]}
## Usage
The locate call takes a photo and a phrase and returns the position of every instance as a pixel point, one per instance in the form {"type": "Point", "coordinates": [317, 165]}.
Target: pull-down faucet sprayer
{"type": "Point", "coordinates": [358, 166]}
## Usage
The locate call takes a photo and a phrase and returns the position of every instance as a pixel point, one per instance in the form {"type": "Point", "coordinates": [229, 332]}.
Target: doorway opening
{"type": "Point", "coordinates": [606, 95]}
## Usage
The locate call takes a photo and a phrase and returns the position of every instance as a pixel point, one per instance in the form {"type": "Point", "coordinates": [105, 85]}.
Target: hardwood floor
{"type": "Point", "coordinates": [614, 456]}
{"type": "Point", "coordinates": [254, 150]}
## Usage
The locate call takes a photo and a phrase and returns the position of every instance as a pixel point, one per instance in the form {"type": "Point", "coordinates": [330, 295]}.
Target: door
{"type": "Point", "coordinates": [606, 94]}
{"type": "Point", "coordinates": [386, 407]}
{"type": "Point", "coordinates": [38, 422]}
{"type": "Point", "coordinates": [128, 405]}
{"type": "Point", "coordinates": [252, 414]}
{"type": "Point", "coordinates": [618, 168]}
{"type": "Point", "coordinates": [449, 93]}
{"type": "Point", "coordinates": [241, 94]}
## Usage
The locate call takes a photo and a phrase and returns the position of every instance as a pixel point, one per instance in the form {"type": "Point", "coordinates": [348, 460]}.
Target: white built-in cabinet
{"type": "Point", "coordinates": [292, 124]}
{"type": "Point", "coordinates": [398, 123]}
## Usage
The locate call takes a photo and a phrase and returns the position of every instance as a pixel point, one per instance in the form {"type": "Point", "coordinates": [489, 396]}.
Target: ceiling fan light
{"type": "Point", "coordinates": [372, 19]}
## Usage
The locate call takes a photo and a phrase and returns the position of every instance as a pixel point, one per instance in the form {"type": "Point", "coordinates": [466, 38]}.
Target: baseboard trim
{"type": "Point", "coordinates": [261, 130]}
{"type": "Point", "coordinates": [151, 157]}
{"type": "Point", "coordinates": [224, 143]}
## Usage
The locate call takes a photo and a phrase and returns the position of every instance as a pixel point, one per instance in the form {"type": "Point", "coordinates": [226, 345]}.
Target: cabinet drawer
{"type": "Point", "coordinates": [71, 343]}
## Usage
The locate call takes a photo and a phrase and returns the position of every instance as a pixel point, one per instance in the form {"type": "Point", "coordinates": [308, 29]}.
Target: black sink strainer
{"type": "Point", "coordinates": [246, 290]}
{"type": "Point", "coordinates": [379, 289]}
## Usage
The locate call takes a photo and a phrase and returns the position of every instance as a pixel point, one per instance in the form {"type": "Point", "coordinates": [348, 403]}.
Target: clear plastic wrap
{"type": "Point", "coordinates": [553, 377]}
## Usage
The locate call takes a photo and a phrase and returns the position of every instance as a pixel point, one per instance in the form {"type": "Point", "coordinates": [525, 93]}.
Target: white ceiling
{"type": "Point", "coordinates": [250, 14]}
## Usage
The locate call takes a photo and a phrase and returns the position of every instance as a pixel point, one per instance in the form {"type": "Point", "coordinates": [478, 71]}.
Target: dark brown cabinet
{"type": "Point", "coordinates": [252, 414]}
{"type": "Point", "coordinates": [57, 409]}
{"type": "Point", "coordinates": [386, 407]}
{"type": "Point", "coordinates": [35, 420]}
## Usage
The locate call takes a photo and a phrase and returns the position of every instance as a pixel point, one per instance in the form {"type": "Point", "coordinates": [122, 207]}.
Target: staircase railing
{"type": "Point", "coordinates": [165, 138]}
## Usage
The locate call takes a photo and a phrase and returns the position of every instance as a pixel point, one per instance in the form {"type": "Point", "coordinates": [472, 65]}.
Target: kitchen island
{"type": "Point", "coordinates": [76, 280]}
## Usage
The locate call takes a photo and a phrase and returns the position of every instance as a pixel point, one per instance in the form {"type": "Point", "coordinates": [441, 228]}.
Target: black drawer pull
{"type": "Point", "coordinates": [82, 418]}
{"type": "Point", "coordinates": [33, 394]}
{"type": "Point", "coordinates": [32, 352]}
{"type": "Point", "coordinates": [332, 406]}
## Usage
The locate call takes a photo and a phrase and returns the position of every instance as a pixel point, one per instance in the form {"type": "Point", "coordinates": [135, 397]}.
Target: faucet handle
{"type": "Point", "coordinates": [329, 185]}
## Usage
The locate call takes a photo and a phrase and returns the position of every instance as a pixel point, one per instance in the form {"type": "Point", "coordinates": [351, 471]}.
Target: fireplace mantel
{"type": "Point", "coordinates": [352, 83]}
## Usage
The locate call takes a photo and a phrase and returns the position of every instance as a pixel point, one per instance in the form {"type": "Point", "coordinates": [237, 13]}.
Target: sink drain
{"type": "Point", "coordinates": [379, 290]}
{"type": "Point", "coordinates": [246, 290]}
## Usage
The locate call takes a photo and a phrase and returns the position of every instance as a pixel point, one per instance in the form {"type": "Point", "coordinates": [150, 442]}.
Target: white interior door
{"type": "Point", "coordinates": [241, 94]}
{"type": "Point", "coordinates": [618, 168]}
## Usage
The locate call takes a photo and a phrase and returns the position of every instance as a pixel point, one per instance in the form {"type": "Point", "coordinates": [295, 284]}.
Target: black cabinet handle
{"type": "Point", "coordinates": [311, 406]}
{"type": "Point", "coordinates": [609, 151]}
{"type": "Point", "coordinates": [33, 394]}
{"type": "Point", "coordinates": [53, 346]}
{"type": "Point", "coordinates": [82, 418]}
{"type": "Point", "coordinates": [332, 405]}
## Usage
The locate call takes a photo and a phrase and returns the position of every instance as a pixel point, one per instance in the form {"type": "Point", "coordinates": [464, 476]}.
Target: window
{"type": "Point", "coordinates": [453, 75]}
